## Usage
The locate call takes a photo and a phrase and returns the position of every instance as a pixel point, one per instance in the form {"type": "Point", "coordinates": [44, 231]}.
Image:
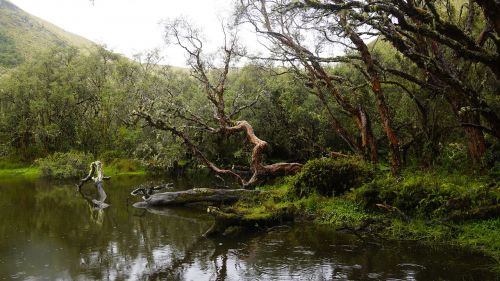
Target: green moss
{"type": "Point", "coordinates": [432, 196]}
{"type": "Point", "coordinates": [483, 235]}
{"type": "Point", "coordinates": [341, 213]}
{"type": "Point", "coordinates": [258, 213]}
{"type": "Point", "coordinates": [428, 195]}
{"type": "Point", "coordinates": [270, 203]}
{"type": "Point", "coordinates": [418, 230]}
{"type": "Point", "coordinates": [268, 212]}
{"type": "Point", "coordinates": [327, 176]}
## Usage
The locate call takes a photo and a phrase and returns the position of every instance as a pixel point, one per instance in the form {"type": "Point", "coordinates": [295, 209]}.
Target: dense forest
{"type": "Point", "coordinates": [417, 86]}
{"type": "Point", "coordinates": [380, 118]}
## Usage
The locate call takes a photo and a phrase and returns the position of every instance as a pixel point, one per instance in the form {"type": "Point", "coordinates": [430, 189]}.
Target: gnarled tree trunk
{"type": "Point", "coordinates": [223, 122]}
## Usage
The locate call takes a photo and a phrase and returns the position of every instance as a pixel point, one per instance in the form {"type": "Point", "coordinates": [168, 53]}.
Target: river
{"type": "Point", "coordinates": [49, 231]}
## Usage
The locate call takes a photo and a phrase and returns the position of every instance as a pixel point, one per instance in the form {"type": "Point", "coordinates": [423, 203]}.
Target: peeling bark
{"type": "Point", "coordinates": [258, 169]}
{"type": "Point", "coordinates": [222, 121]}
{"type": "Point", "coordinates": [256, 164]}
{"type": "Point", "coordinates": [382, 106]}
{"type": "Point", "coordinates": [321, 79]}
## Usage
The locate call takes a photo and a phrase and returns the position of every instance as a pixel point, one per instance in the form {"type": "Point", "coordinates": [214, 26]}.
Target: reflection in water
{"type": "Point", "coordinates": [50, 231]}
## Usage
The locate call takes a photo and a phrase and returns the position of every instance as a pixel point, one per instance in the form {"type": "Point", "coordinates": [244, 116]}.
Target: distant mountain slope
{"type": "Point", "coordinates": [22, 34]}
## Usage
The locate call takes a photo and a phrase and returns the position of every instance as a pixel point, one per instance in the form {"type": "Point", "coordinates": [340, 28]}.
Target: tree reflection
{"type": "Point", "coordinates": [49, 232]}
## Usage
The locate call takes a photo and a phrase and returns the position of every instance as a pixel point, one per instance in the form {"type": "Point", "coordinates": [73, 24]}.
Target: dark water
{"type": "Point", "coordinates": [48, 231]}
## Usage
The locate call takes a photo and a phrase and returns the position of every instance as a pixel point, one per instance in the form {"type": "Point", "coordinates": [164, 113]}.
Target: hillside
{"type": "Point", "coordinates": [22, 34]}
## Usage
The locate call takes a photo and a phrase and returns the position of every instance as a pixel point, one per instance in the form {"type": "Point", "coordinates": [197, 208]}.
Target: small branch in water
{"type": "Point", "coordinates": [148, 191]}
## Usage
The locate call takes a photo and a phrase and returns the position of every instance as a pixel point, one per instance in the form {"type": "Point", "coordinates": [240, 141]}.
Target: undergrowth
{"type": "Point", "coordinates": [426, 207]}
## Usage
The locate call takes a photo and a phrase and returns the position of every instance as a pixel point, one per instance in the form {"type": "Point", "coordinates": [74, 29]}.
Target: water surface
{"type": "Point", "coordinates": [48, 231]}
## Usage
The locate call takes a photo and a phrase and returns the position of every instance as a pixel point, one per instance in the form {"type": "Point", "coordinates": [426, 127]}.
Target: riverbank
{"type": "Point", "coordinates": [428, 208]}
{"type": "Point", "coordinates": [118, 167]}
{"type": "Point", "coordinates": [345, 214]}
{"type": "Point", "coordinates": [25, 172]}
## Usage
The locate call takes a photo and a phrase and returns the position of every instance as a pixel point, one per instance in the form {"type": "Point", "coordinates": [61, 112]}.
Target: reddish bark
{"type": "Point", "coordinates": [320, 78]}
{"type": "Point", "coordinates": [382, 107]}
{"type": "Point", "coordinates": [256, 164]}
{"type": "Point", "coordinates": [224, 124]}
{"type": "Point", "coordinates": [476, 145]}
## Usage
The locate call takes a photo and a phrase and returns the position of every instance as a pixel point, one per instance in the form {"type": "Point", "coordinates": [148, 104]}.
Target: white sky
{"type": "Point", "coordinates": [131, 26]}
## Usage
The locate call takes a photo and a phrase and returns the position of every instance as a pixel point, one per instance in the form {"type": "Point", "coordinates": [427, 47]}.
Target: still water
{"type": "Point", "coordinates": [49, 231]}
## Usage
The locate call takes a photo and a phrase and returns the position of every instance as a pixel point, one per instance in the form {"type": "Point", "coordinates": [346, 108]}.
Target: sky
{"type": "Point", "coordinates": [132, 26]}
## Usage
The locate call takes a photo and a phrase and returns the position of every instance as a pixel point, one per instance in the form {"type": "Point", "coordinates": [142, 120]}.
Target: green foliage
{"type": "Point", "coordinates": [158, 156]}
{"type": "Point", "coordinates": [10, 163]}
{"type": "Point", "coordinates": [284, 100]}
{"type": "Point", "coordinates": [329, 177]}
{"type": "Point", "coordinates": [452, 157]}
{"type": "Point", "coordinates": [418, 230]}
{"type": "Point", "coordinates": [109, 156]}
{"type": "Point", "coordinates": [340, 213]}
{"type": "Point", "coordinates": [8, 55]}
{"type": "Point", "coordinates": [65, 165]}
{"type": "Point", "coordinates": [429, 195]}
{"type": "Point", "coordinates": [122, 166]}
{"type": "Point", "coordinates": [86, 86]}
{"type": "Point", "coordinates": [482, 235]}
{"type": "Point", "coordinates": [28, 35]}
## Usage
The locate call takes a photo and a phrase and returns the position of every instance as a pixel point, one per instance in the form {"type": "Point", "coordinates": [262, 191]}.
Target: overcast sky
{"type": "Point", "coordinates": [130, 26]}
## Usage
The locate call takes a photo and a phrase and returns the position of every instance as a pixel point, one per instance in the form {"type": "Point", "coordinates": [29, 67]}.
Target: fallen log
{"type": "Point", "coordinates": [194, 195]}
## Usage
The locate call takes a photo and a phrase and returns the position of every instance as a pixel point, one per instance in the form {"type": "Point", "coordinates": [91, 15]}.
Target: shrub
{"type": "Point", "coordinates": [109, 155]}
{"type": "Point", "coordinates": [453, 154]}
{"type": "Point", "coordinates": [125, 165]}
{"type": "Point", "coordinates": [428, 195]}
{"type": "Point", "coordinates": [10, 163]}
{"type": "Point", "coordinates": [329, 177]}
{"type": "Point", "coordinates": [65, 165]}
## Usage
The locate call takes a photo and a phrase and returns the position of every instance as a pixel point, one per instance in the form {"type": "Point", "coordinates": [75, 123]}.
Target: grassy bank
{"type": "Point", "coordinates": [68, 169]}
{"type": "Point", "coordinates": [430, 208]}
{"type": "Point", "coordinates": [16, 168]}
{"type": "Point", "coordinates": [346, 214]}
{"type": "Point", "coordinates": [25, 172]}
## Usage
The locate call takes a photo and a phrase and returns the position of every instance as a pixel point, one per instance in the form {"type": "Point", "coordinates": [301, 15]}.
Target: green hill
{"type": "Point", "coordinates": [22, 34]}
